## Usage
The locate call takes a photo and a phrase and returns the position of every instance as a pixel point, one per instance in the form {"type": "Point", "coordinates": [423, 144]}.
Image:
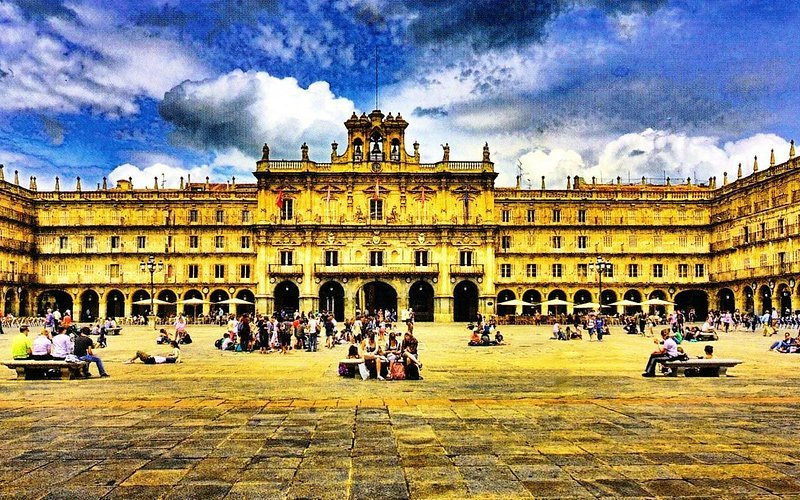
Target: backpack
{"type": "Point", "coordinates": [397, 371]}
{"type": "Point", "coordinates": [343, 371]}
{"type": "Point", "coordinates": [217, 343]}
{"type": "Point", "coordinates": [412, 372]}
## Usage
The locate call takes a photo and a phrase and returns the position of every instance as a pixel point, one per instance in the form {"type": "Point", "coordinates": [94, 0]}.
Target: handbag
{"type": "Point", "coordinates": [362, 368]}
{"type": "Point", "coordinates": [397, 371]}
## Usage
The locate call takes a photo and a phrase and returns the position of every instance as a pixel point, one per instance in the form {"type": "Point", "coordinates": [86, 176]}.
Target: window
{"type": "Point", "coordinates": [219, 216]}
{"type": "Point", "coordinates": [245, 242]}
{"type": "Point", "coordinates": [88, 269]}
{"type": "Point", "coordinates": [246, 217]}
{"type": "Point", "coordinates": [193, 215]}
{"type": "Point", "coordinates": [63, 242]}
{"type": "Point", "coordinates": [141, 242]}
{"type": "Point", "coordinates": [609, 270]}
{"type": "Point", "coordinates": [194, 271]}
{"type": "Point", "coordinates": [582, 241]}
{"type": "Point", "coordinates": [331, 257]}
{"type": "Point", "coordinates": [608, 240]}
{"type": "Point", "coordinates": [194, 242]}
{"type": "Point", "coordinates": [421, 258]}
{"type": "Point", "coordinates": [657, 240]}
{"type": "Point", "coordinates": [583, 270]}
{"type": "Point", "coordinates": [582, 215]}
{"type": "Point", "coordinates": [287, 257]}
{"type": "Point", "coordinates": [781, 226]}
{"type": "Point", "coordinates": [465, 258]}
{"type": "Point", "coordinates": [633, 270]}
{"type": "Point", "coordinates": [698, 240]}
{"type": "Point", "coordinates": [683, 270]}
{"type": "Point", "coordinates": [557, 270]}
{"type": "Point", "coordinates": [699, 270]}
{"type": "Point", "coordinates": [556, 241]}
{"type": "Point", "coordinates": [530, 270]}
{"type": "Point", "coordinates": [114, 242]}
{"type": "Point", "coordinates": [531, 215]}
{"type": "Point", "coordinates": [219, 241]}
{"type": "Point", "coordinates": [244, 271]}
{"type": "Point", "coordinates": [88, 242]}
{"type": "Point", "coordinates": [658, 270]}
{"type": "Point", "coordinates": [556, 215]}
{"type": "Point", "coordinates": [632, 241]}
{"type": "Point", "coordinates": [169, 241]}
{"type": "Point", "coordinates": [763, 230]}
{"type": "Point", "coordinates": [376, 209]}
{"type": "Point", "coordinates": [505, 270]}
{"type": "Point", "coordinates": [219, 271]}
{"type": "Point", "coordinates": [682, 241]}
{"type": "Point", "coordinates": [113, 270]}
{"type": "Point", "coordinates": [287, 211]}
{"type": "Point", "coordinates": [506, 215]}
{"type": "Point", "coordinates": [376, 258]}
{"type": "Point", "coordinates": [762, 260]}
{"type": "Point", "coordinates": [505, 242]}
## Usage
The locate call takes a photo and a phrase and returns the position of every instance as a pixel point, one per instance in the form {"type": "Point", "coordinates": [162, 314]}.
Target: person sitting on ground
{"type": "Point", "coordinates": [475, 338]}
{"type": "Point", "coordinates": [667, 352]}
{"type": "Point", "coordinates": [83, 350]}
{"type": "Point", "coordinates": [21, 344]}
{"type": "Point", "coordinates": [42, 346]}
{"type": "Point", "coordinates": [707, 328]}
{"type": "Point", "coordinates": [163, 337]}
{"type": "Point", "coordinates": [783, 345]}
{"type": "Point", "coordinates": [102, 342]}
{"type": "Point", "coordinates": [557, 333]}
{"type": "Point", "coordinates": [184, 337]}
{"type": "Point", "coordinates": [62, 344]}
{"type": "Point", "coordinates": [173, 357]}
{"type": "Point", "coordinates": [498, 338]}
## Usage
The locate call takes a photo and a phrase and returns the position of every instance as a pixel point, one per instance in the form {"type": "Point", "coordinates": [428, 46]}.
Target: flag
{"type": "Point", "coordinates": [279, 200]}
{"type": "Point", "coordinates": [377, 192]}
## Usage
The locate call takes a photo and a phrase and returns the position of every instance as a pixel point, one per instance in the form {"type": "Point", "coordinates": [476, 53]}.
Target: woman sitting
{"type": "Point", "coordinates": [373, 352]}
{"type": "Point", "coordinates": [174, 357]}
{"type": "Point", "coordinates": [163, 337]}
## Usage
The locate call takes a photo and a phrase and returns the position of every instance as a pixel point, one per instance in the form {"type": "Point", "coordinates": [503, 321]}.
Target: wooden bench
{"type": "Point", "coordinates": [707, 367]}
{"type": "Point", "coordinates": [26, 368]}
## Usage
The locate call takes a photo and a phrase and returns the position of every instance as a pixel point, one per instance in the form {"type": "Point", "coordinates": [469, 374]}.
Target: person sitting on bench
{"type": "Point", "coordinates": [21, 344]}
{"type": "Point", "coordinates": [174, 357]}
{"type": "Point", "coordinates": [42, 346]}
{"type": "Point", "coordinates": [667, 352]}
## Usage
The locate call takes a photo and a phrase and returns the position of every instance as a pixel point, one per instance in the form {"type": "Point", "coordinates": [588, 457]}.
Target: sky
{"type": "Point", "coordinates": [596, 88]}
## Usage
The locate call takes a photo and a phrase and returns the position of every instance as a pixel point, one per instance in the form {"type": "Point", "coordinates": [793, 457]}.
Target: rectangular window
{"type": "Point", "coordinates": [609, 270]}
{"type": "Point", "coordinates": [531, 215]}
{"type": "Point", "coordinates": [113, 270]}
{"type": "Point", "coordinates": [465, 258]}
{"type": "Point", "coordinates": [556, 215]}
{"type": "Point", "coordinates": [244, 271]}
{"type": "Point", "coordinates": [194, 242]}
{"type": "Point", "coordinates": [505, 270]}
{"type": "Point", "coordinates": [683, 270]}
{"type": "Point", "coordinates": [287, 212]}
{"type": "Point", "coordinates": [141, 242]}
{"type": "Point", "coordinates": [632, 241]}
{"type": "Point", "coordinates": [763, 230]}
{"type": "Point", "coordinates": [219, 241]}
{"type": "Point", "coordinates": [657, 240]}
{"type": "Point", "coordinates": [376, 209]}
{"type": "Point", "coordinates": [781, 227]}
{"type": "Point", "coordinates": [287, 257]}
{"type": "Point", "coordinates": [331, 257]}
{"type": "Point", "coordinates": [169, 241]}
{"type": "Point", "coordinates": [421, 258]}
{"type": "Point", "coordinates": [746, 234]}
{"type": "Point", "coordinates": [530, 270]}
{"type": "Point", "coordinates": [193, 215]}
{"type": "Point", "coordinates": [699, 270]}
{"type": "Point", "coordinates": [376, 258]}
{"type": "Point", "coordinates": [246, 218]}
{"type": "Point", "coordinates": [682, 241]}
{"type": "Point", "coordinates": [88, 242]}
{"type": "Point", "coordinates": [114, 242]}
{"type": "Point", "coordinates": [556, 241]}
{"type": "Point", "coordinates": [698, 240]}
{"type": "Point", "coordinates": [194, 271]}
{"type": "Point", "coordinates": [582, 216]}
{"type": "Point", "coordinates": [505, 242]}
{"type": "Point", "coordinates": [633, 270]}
{"type": "Point", "coordinates": [658, 270]}
{"type": "Point", "coordinates": [557, 270]}
{"type": "Point", "coordinates": [506, 215]}
{"type": "Point", "coordinates": [582, 241]}
{"type": "Point", "coordinates": [219, 216]}
{"type": "Point", "coordinates": [583, 270]}
{"type": "Point", "coordinates": [219, 271]}
{"type": "Point", "coordinates": [63, 242]}
{"type": "Point", "coordinates": [245, 242]}
{"type": "Point", "coordinates": [608, 241]}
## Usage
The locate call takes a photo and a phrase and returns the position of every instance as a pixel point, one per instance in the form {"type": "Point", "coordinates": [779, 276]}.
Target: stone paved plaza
{"type": "Point", "coordinates": [535, 418]}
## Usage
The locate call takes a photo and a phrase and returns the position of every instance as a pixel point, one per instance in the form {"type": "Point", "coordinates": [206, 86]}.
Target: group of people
{"type": "Point", "coordinates": [669, 351]}
{"type": "Point", "coordinates": [482, 333]}
{"type": "Point", "coordinates": [789, 344]}
{"type": "Point", "coordinates": [382, 350]}
{"type": "Point", "coordinates": [63, 346]}
{"type": "Point", "coordinates": [594, 325]}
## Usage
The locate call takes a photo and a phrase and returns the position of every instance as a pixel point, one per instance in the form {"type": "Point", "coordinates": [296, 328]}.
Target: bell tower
{"type": "Point", "coordinates": [376, 138]}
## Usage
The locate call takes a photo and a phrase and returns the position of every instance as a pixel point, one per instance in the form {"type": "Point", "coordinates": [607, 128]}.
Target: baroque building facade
{"type": "Point", "coordinates": [376, 228]}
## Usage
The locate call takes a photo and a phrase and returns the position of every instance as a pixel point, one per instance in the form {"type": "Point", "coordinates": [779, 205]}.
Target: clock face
{"type": "Point", "coordinates": [376, 167]}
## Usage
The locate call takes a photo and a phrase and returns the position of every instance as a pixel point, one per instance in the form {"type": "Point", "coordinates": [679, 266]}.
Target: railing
{"type": "Point", "coordinates": [17, 277]}
{"type": "Point", "coordinates": [285, 165]}
{"type": "Point", "coordinates": [351, 269]}
{"type": "Point", "coordinates": [761, 272]}
{"type": "Point", "coordinates": [286, 270]}
{"type": "Point", "coordinates": [473, 270]}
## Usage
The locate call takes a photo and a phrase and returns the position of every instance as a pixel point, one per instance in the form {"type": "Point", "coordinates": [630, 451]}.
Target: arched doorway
{"type": "Point", "coordinates": [465, 302]}
{"type": "Point", "coordinates": [504, 296]}
{"type": "Point", "coordinates": [608, 297]}
{"type": "Point", "coordinates": [749, 300]}
{"type": "Point", "coordinates": [53, 299]}
{"type": "Point", "coordinates": [10, 302]}
{"type": "Point", "coordinates": [534, 297]}
{"type": "Point", "coordinates": [765, 299]}
{"type": "Point", "coordinates": [725, 301]}
{"type": "Point", "coordinates": [658, 294]}
{"type": "Point", "coordinates": [287, 298]}
{"type": "Point", "coordinates": [694, 303]}
{"type": "Point", "coordinates": [24, 303]}
{"type": "Point", "coordinates": [785, 296]}
{"type": "Point", "coordinates": [191, 310]}
{"type": "Point", "coordinates": [167, 310]}
{"type": "Point", "coordinates": [90, 306]}
{"type": "Point", "coordinates": [634, 296]}
{"type": "Point", "coordinates": [557, 309]}
{"type": "Point", "coordinates": [582, 297]}
{"type": "Point", "coordinates": [376, 295]}
{"type": "Point", "coordinates": [420, 299]}
{"type": "Point", "coordinates": [140, 309]}
{"type": "Point", "coordinates": [115, 304]}
{"type": "Point", "coordinates": [216, 297]}
{"type": "Point", "coordinates": [331, 299]}
{"type": "Point", "coordinates": [246, 308]}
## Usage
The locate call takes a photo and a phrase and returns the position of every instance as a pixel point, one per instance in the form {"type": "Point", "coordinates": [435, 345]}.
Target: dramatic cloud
{"type": "Point", "coordinates": [243, 110]}
{"type": "Point", "coordinates": [169, 175]}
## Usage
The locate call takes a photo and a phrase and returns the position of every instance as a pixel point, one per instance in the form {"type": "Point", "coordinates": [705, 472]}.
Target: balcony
{"type": "Point", "coordinates": [393, 269]}
{"type": "Point", "coordinates": [286, 270]}
{"type": "Point", "coordinates": [473, 270]}
{"type": "Point", "coordinates": [14, 277]}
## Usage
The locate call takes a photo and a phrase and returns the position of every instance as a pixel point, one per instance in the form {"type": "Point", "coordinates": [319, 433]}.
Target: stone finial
{"type": "Point", "coordinates": [594, 180]}
{"type": "Point", "coordinates": [35, 184]}
{"type": "Point", "coordinates": [265, 152]}
{"type": "Point", "coordinates": [771, 157]}
{"type": "Point", "coordinates": [569, 179]}
{"type": "Point", "coordinates": [30, 183]}
{"type": "Point", "coordinates": [181, 182]}
{"type": "Point", "coordinates": [416, 148]}
{"type": "Point", "coordinates": [619, 180]}
{"type": "Point", "coordinates": [304, 151]}
{"type": "Point", "coordinates": [739, 173]}
{"type": "Point", "coordinates": [58, 185]}
{"type": "Point", "coordinates": [16, 177]}
{"type": "Point", "coordinates": [188, 180]}
{"type": "Point", "coordinates": [755, 164]}
{"type": "Point", "coordinates": [791, 151]}
{"type": "Point", "coordinates": [711, 182]}
{"type": "Point", "coordinates": [543, 186]}
{"type": "Point", "coordinates": [78, 184]}
{"type": "Point", "coordinates": [130, 182]}
{"type": "Point", "coordinates": [668, 181]}
{"type": "Point", "coordinates": [2, 176]}
{"type": "Point", "coordinates": [724, 178]}
{"type": "Point", "coordinates": [486, 152]}
{"type": "Point", "coordinates": [334, 153]}
{"type": "Point", "coordinates": [644, 181]}
{"type": "Point", "coordinates": [208, 184]}
{"type": "Point", "coordinates": [105, 184]}
{"type": "Point", "coordinates": [446, 152]}
{"type": "Point", "coordinates": [233, 181]}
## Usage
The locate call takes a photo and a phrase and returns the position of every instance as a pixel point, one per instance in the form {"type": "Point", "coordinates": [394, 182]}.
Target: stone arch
{"type": "Point", "coordinates": [420, 299]}
{"type": "Point", "coordinates": [193, 310]}
{"type": "Point", "coordinates": [635, 296]}
{"type": "Point", "coordinates": [608, 297]}
{"type": "Point", "coordinates": [503, 296]}
{"type": "Point", "coordinates": [725, 300]}
{"type": "Point", "coordinates": [696, 300]}
{"type": "Point", "coordinates": [764, 299]}
{"type": "Point", "coordinates": [140, 309]}
{"type": "Point", "coordinates": [465, 301]}
{"type": "Point", "coordinates": [287, 297]}
{"type": "Point", "coordinates": [375, 295]}
{"type": "Point", "coordinates": [557, 294]}
{"type": "Point", "coordinates": [331, 299]}
{"type": "Point", "coordinates": [167, 310]}
{"type": "Point", "coordinates": [53, 299]}
{"type": "Point", "coordinates": [246, 294]}
{"type": "Point", "coordinates": [534, 297]}
{"type": "Point", "coordinates": [218, 296]}
{"type": "Point", "coordinates": [115, 304]}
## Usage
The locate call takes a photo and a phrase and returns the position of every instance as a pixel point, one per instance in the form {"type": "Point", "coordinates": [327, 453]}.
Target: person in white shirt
{"type": "Point", "coordinates": [62, 344]}
{"type": "Point", "coordinates": [40, 350]}
{"type": "Point", "coordinates": [667, 352]}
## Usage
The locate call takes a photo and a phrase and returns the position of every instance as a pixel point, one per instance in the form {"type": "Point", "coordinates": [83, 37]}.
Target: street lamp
{"type": "Point", "coordinates": [601, 266]}
{"type": "Point", "coordinates": [151, 265]}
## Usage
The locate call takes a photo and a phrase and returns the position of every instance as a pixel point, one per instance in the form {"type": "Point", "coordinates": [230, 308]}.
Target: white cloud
{"type": "Point", "coordinates": [169, 175]}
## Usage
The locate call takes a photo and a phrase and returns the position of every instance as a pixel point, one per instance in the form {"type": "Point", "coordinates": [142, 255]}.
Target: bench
{"type": "Point", "coordinates": [707, 367]}
{"type": "Point", "coordinates": [27, 368]}
{"type": "Point", "coordinates": [113, 331]}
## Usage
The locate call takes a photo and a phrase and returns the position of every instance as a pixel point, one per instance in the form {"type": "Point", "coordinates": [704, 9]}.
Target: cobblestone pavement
{"type": "Point", "coordinates": [535, 418]}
